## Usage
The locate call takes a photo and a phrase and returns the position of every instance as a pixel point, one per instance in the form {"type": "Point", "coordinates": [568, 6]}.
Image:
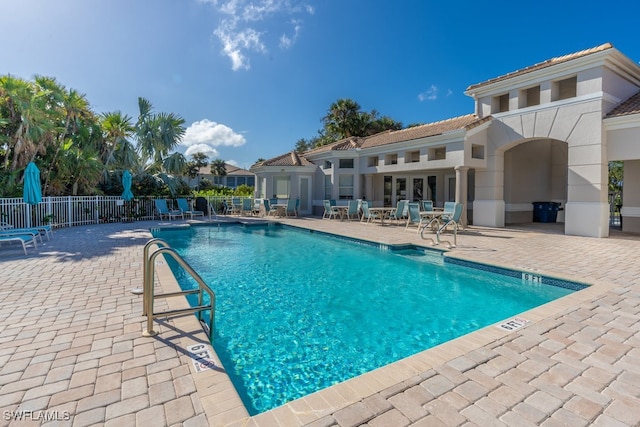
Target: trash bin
{"type": "Point", "coordinates": [545, 211]}
{"type": "Point", "coordinates": [202, 205]}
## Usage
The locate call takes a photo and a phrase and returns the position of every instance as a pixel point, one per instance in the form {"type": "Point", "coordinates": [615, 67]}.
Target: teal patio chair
{"type": "Point", "coordinates": [183, 205]}
{"type": "Point", "coordinates": [329, 211]}
{"type": "Point", "coordinates": [398, 214]}
{"type": "Point", "coordinates": [291, 208]}
{"type": "Point", "coordinates": [352, 210]}
{"type": "Point", "coordinates": [452, 221]}
{"type": "Point", "coordinates": [163, 210]}
{"type": "Point", "coordinates": [368, 215]}
{"type": "Point", "coordinates": [413, 215]}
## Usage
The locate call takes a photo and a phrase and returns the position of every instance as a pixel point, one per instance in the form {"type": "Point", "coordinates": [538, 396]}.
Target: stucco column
{"type": "Point", "coordinates": [488, 205]}
{"type": "Point", "coordinates": [368, 187]}
{"type": "Point", "coordinates": [462, 190]}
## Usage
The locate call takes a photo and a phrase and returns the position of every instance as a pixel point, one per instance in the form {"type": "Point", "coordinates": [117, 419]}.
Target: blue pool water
{"type": "Point", "coordinates": [298, 311]}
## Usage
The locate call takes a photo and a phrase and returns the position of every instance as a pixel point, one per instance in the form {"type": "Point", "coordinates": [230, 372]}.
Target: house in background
{"type": "Point", "coordinates": [542, 133]}
{"type": "Point", "coordinates": [235, 177]}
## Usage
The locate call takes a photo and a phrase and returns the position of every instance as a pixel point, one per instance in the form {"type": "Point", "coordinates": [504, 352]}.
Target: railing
{"type": "Point", "coordinates": [148, 295]}
{"type": "Point", "coordinates": [68, 211]}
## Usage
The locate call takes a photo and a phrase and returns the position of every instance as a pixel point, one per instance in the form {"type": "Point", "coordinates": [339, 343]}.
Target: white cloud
{"type": "Point", "coordinates": [208, 150]}
{"type": "Point", "coordinates": [430, 94]}
{"type": "Point", "coordinates": [204, 135]}
{"type": "Point", "coordinates": [239, 31]}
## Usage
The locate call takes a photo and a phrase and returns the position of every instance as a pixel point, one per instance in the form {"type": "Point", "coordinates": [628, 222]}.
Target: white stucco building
{"type": "Point", "coordinates": [543, 133]}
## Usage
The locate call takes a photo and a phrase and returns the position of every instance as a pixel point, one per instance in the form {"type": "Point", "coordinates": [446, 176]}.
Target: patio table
{"type": "Point", "coordinates": [383, 212]}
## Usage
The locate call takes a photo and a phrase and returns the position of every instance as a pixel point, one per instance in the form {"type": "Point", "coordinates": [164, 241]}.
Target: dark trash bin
{"type": "Point", "coordinates": [545, 211]}
{"type": "Point", "coordinates": [202, 205]}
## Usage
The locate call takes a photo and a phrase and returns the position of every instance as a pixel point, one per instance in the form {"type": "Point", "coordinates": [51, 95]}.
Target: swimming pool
{"type": "Point", "coordinates": [299, 311]}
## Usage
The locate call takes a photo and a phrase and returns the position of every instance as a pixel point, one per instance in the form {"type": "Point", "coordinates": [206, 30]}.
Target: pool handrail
{"type": "Point", "coordinates": [148, 289]}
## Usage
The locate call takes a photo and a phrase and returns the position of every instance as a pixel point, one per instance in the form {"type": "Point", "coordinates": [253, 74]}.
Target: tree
{"type": "Point", "coordinates": [219, 168]}
{"type": "Point", "coordinates": [198, 160]}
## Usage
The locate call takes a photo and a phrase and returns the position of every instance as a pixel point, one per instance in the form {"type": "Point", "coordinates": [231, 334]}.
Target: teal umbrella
{"type": "Point", "coordinates": [32, 194]}
{"type": "Point", "coordinates": [126, 183]}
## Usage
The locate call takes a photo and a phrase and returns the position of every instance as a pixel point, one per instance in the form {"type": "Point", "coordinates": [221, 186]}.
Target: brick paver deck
{"type": "Point", "coordinates": [72, 354]}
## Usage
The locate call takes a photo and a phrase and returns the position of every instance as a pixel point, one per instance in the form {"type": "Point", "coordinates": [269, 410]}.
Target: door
{"type": "Point", "coordinates": [304, 191]}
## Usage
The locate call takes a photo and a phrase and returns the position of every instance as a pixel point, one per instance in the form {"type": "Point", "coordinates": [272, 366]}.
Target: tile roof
{"type": "Point", "coordinates": [231, 170]}
{"type": "Point", "coordinates": [423, 131]}
{"type": "Point", "coordinates": [390, 137]}
{"type": "Point", "coordinates": [288, 159]}
{"type": "Point", "coordinates": [630, 106]}
{"type": "Point", "coordinates": [545, 64]}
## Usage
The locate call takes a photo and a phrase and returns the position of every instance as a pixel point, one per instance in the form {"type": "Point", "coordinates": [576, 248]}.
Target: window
{"type": "Point", "coordinates": [412, 156]}
{"type": "Point", "coordinates": [564, 89]}
{"type": "Point", "coordinates": [327, 164]}
{"type": "Point", "coordinates": [391, 159]}
{"type": "Point", "coordinates": [328, 188]}
{"type": "Point", "coordinates": [231, 181]}
{"type": "Point", "coordinates": [372, 161]}
{"type": "Point", "coordinates": [251, 181]}
{"type": "Point", "coordinates": [437, 153]}
{"type": "Point", "coordinates": [281, 187]}
{"type": "Point", "coordinates": [345, 187]}
{"type": "Point", "coordinates": [346, 163]}
{"type": "Point", "coordinates": [529, 97]}
{"type": "Point", "coordinates": [241, 180]}
{"type": "Point", "coordinates": [500, 104]}
{"type": "Point", "coordinates": [477, 151]}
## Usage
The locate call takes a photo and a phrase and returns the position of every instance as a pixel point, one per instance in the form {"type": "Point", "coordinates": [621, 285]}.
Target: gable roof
{"type": "Point", "coordinates": [627, 107]}
{"type": "Point", "coordinates": [231, 170]}
{"type": "Point", "coordinates": [544, 64]}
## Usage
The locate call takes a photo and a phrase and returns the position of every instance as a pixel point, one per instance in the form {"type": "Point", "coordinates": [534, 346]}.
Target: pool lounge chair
{"type": "Point", "coordinates": [246, 207]}
{"type": "Point", "coordinates": [183, 205]}
{"type": "Point", "coordinates": [41, 229]}
{"type": "Point", "coordinates": [163, 210]}
{"type": "Point", "coordinates": [23, 239]}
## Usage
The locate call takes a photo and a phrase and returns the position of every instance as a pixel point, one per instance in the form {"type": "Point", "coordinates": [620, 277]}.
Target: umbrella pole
{"type": "Point", "coordinates": [28, 216]}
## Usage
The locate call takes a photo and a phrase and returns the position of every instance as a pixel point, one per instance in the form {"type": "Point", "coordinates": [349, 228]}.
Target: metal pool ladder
{"type": "Point", "coordinates": [148, 290]}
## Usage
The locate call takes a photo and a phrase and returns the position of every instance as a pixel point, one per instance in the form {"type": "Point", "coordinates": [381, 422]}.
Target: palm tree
{"type": "Point", "coordinates": [157, 134]}
{"type": "Point", "coordinates": [219, 168]}
{"type": "Point", "coordinates": [117, 128]}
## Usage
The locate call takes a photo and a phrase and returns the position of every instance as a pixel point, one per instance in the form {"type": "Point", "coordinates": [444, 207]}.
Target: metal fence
{"type": "Point", "coordinates": [70, 211]}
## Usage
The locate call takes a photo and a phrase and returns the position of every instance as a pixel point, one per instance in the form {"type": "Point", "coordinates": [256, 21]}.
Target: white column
{"type": "Point", "coordinates": [462, 190]}
{"type": "Point", "coordinates": [488, 206]}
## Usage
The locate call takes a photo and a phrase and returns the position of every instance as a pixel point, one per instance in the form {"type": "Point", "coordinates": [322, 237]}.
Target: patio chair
{"type": "Point", "coordinates": [452, 221]}
{"type": "Point", "coordinates": [267, 210]}
{"type": "Point", "coordinates": [413, 215]}
{"type": "Point", "coordinates": [257, 204]}
{"type": "Point", "coordinates": [246, 208]}
{"type": "Point", "coordinates": [329, 211]}
{"type": "Point", "coordinates": [291, 208]}
{"type": "Point", "coordinates": [398, 214]}
{"type": "Point", "coordinates": [297, 206]}
{"type": "Point", "coordinates": [352, 210]}
{"type": "Point", "coordinates": [183, 205]}
{"type": "Point", "coordinates": [366, 213]}
{"type": "Point", "coordinates": [23, 239]}
{"type": "Point", "coordinates": [427, 205]}
{"type": "Point", "coordinates": [449, 208]}
{"type": "Point", "coordinates": [163, 210]}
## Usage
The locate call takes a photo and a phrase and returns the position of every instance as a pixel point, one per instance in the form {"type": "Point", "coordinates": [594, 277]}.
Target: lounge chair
{"type": "Point", "coordinates": [266, 208]}
{"type": "Point", "coordinates": [33, 232]}
{"type": "Point", "coordinates": [368, 215]}
{"type": "Point", "coordinates": [452, 221]}
{"type": "Point", "coordinates": [41, 229]}
{"type": "Point", "coordinates": [398, 214]}
{"type": "Point", "coordinates": [352, 210]}
{"type": "Point", "coordinates": [413, 215]}
{"type": "Point", "coordinates": [163, 210]}
{"type": "Point", "coordinates": [329, 211]}
{"type": "Point", "coordinates": [23, 239]}
{"type": "Point", "coordinates": [183, 205]}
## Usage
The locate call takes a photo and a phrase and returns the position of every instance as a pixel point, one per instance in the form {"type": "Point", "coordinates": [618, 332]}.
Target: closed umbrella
{"type": "Point", "coordinates": [32, 194]}
{"type": "Point", "coordinates": [126, 183]}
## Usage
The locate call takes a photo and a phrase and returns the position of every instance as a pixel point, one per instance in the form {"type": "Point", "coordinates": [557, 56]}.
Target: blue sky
{"type": "Point", "coordinates": [251, 78]}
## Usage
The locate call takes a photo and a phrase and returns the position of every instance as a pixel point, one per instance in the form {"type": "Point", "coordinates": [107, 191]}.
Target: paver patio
{"type": "Point", "coordinates": [72, 354]}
